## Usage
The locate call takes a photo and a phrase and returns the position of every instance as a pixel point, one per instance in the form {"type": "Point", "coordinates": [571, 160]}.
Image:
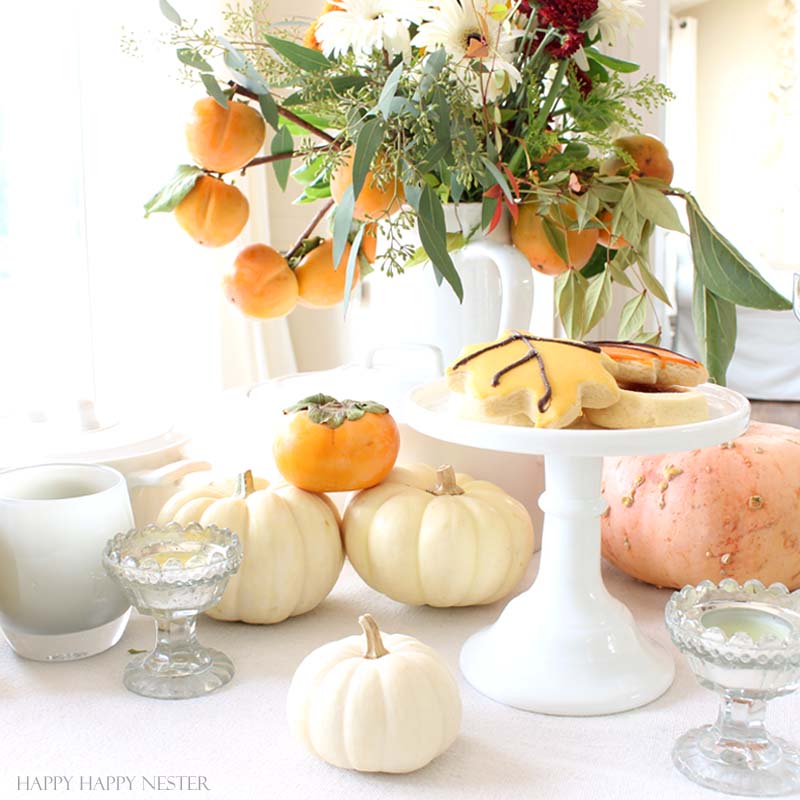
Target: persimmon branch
{"type": "Point", "coordinates": [291, 116]}
{"type": "Point", "coordinates": [309, 229]}
{"type": "Point", "coordinates": [282, 156]}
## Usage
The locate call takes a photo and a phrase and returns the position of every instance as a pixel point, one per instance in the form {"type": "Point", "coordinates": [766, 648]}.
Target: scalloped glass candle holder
{"type": "Point", "coordinates": [172, 574]}
{"type": "Point", "coordinates": [744, 643]}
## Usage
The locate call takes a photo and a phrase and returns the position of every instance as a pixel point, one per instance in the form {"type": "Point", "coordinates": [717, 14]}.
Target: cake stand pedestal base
{"type": "Point", "coordinates": [566, 646]}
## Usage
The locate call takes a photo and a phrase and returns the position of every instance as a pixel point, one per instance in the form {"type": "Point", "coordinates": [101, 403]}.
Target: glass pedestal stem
{"type": "Point", "coordinates": [741, 736]}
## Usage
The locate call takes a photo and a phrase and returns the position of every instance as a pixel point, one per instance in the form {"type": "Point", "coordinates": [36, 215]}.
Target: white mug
{"type": "Point", "coordinates": [56, 601]}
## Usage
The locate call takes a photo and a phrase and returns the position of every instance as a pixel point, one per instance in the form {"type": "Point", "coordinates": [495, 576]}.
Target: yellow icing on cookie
{"type": "Point", "coordinates": [568, 368]}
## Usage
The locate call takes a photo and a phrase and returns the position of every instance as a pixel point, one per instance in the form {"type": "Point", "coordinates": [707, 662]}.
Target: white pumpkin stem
{"type": "Point", "coordinates": [375, 647]}
{"type": "Point", "coordinates": [446, 482]}
{"type": "Point", "coordinates": [244, 484]}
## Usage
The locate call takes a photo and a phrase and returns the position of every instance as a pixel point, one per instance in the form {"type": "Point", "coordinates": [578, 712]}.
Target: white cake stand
{"type": "Point", "coordinates": [566, 646]}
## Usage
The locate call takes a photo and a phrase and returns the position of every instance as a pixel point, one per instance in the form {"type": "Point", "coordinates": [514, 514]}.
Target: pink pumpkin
{"type": "Point", "coordinates": [731, 511]}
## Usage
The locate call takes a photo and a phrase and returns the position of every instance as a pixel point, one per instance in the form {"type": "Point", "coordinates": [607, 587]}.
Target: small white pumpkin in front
{"type": "Point", "coordinates": [375, 703]}
{"type": "Point", "coordinates": [435, 537]}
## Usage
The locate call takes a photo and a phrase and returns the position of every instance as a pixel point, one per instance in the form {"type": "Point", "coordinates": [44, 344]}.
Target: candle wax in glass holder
{"type": "Point", "coordinates": [752, 621]}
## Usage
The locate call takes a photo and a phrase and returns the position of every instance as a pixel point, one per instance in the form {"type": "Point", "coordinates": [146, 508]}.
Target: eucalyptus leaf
{"type": "Point", "coordinates": [342, 222]}
{"type": "Point", "coordinates": [169, 12]}
{"type": "Point", "coordinates": [455, 241]}
{"type": "Point", "coordinates": [433, 235]}
{"type": "Point", "coordinates": [616, 64]}
{"type": "Point", "coordinates": [413, 194]}
{"type": "Point", "coordinates": [441, 115]}
{"type": "Point", "coordinates": [193, 59]}
{"type": "Point", "coordinates": [303, 57]}
{"type": "Point", "coordinates": [633, 316]}
{"type": "Point", "coordinates": [368, 142]}
{"type": "Point", "coordinates": [282, 142]}
{"type": "Point", "coordinates": [597, 300]}
{"type": "Point", "coordinates": [724, 270]}
{"type": "Point", "coordinates": [213, 88]}
{"type": "Point", "coordinates": [389, 91]}
{"type": "Point", "coordinates": [178, 186]}
{"type": "Point", "coordinates": [715, 326]}
{"type": "Point", "coordinates": [349, 276]}
{"type": "Point", "coordinates": [269, 110]}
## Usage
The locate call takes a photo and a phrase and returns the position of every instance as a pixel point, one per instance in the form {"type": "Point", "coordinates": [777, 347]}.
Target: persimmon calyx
{"type": "Point", "coordinates": [326, 410]}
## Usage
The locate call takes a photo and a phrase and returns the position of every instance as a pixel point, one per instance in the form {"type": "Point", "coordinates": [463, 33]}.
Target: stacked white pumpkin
{"type": "Point", "coordinates": [423, 536]}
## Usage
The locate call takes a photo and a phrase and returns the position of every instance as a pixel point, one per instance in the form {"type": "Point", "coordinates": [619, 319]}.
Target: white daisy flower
{"type": "Point", "coordinates": [615, 18]}
{"type": "Point", "coordinates": [366, 25]}
{"type": "Point", "coordinates": [481, 46]}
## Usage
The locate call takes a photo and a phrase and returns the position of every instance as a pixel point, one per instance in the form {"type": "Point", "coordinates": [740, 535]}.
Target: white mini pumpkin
{"type": "Point", "coordinates": [292, 545]}
{"type": "Point", "coordinates": [427, 536]}
{"type": "Point", "coordinates": [374, 703]}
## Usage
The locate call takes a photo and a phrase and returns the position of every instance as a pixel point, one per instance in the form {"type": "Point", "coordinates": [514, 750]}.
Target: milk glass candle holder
{"type": "Point", "coordinates": [744, 643]}
{"type": "Point", "coordinates": [172, 574]}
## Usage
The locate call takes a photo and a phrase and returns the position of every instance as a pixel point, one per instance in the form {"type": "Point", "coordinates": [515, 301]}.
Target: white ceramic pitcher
{"type": "Point", "coordinates": [498, 294]}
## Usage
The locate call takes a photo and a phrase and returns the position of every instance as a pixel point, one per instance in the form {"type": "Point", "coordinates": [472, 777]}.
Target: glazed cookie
{"type": "Point", "coordinates": [651, 407]}
{"type": "Point", "coordinates": [520, 377]}
{"type": "Point", "coordinates": [635, 363]}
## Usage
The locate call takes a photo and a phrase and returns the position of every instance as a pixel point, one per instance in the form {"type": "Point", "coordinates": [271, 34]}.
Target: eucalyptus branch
{"type": "Point", "coordinates": [291, 116]}
{"type": "Point", "coordinates": [552, 95]}
{"type": "Point", "coordinates": [309, 229]}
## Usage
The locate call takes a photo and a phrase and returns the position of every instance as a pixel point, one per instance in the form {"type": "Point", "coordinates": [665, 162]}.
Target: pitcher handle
{"type": "Point", "coordinates": [516, 279]}
{"type": "Point", "coordinates": [167, 475]}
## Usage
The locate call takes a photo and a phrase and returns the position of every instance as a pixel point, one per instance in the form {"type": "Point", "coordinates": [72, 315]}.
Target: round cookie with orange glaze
{"type": "Point", "coordinates": [647, 364]}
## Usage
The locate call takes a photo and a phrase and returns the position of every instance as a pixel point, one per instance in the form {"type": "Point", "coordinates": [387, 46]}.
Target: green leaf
{"type": "Point", "coordinates": [724, 270]}
{"type": "Point", "coordinates": [282, 142]}
{"type": "Point", "coordinates": [169, 12]}
{"type": "Point", "coordinates": [432, 234]}
{"type": "Point", "coordinates": [586, 206]}
{"type": "Point", "coordinates": [303, 57]}
{"type": "Point", "coordinates": [342, 222]}
{"type": "Point", "coordinates": [306, 174]}
{"type": "Point", "coordinates": [618, 275]}
{"type": "Point", "coordinates": [367, 144]}
{"type": "Point", "coordinates": [269, 110]}
{"type": "Point", "coordinates": [655, 205]}
{"type": "Point", "coordinates": [653, 284]}
{"type": "Point", "coordinates": [351, 266]}
{"type": "Point", "coordinates": [598, 299]}
{"type": "Point", "coordinates": [440, 112]}
{"type": "Point", "coordinates": [213, 89]}
{"type": "Point", "coordinates": [193, 59]}
{"type": "Point", "coordinates": [499, 178]}
{"type": "Point", "coordinates": [455, 241]}
{"type": "Point", "coordinates": [633, 315]}
{"type": "Point", "coordinates": [389, 91]}
{"type": "Point", "coordinates": [715, 326]}
{"type": "Point", "coordinates": [647, 337]}
{"type": "Point", "coordinates": [570, 293]}
{"type": "Point", "coordinates": [557, 237]}
{"type": "Point", "coordinates": [178, 186]}
{"type": "Point", "coordinates": [617, 64]}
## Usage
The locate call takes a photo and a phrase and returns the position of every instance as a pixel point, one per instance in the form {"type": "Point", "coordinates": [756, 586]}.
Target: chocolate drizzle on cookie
{"type": "Point", "coordinates": [516, 336]}
{"type": "Point", "coordinates": [640, 348]}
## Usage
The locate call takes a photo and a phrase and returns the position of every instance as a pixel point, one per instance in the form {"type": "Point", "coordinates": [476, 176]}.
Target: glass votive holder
{"type": "Point", "coordinates": [744, 643]}
{"type": "Point", "coordinates": [173, 574]}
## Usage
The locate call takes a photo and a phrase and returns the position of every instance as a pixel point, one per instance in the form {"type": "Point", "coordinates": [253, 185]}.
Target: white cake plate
{"type": "Point", "coordinates": [566, 646]}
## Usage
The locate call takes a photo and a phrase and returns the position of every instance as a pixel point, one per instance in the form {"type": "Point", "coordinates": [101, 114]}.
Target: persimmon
{"type": "Point", "coordinates": [261, 284]}
{"type": "Point", "coordinates": [213, 213]}
{"type": "Point", "coordinates": [528, 236]}
{"type": "Point", "coordinates": [224, 139]}
{"type": "Point", "coordinates": [369, 243]}
{"type": "Point", "coordinates": [319, 284]}
{"type": "Point", "coordinates": [373, 202]}
{"type": "Point", "coordinates": [324, 445]}
{"type": "Point", "coordinates": [650, 154]}
{"type": "Point", "coordinates": [604, 236]}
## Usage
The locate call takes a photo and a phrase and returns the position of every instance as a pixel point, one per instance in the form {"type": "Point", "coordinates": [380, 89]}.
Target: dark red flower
{"type": "Point", "coordinates": [566, 15]}
{"type": "Point", "coordinates": [584, 82]}
{"type": "Point", "coordinates": [569, 44]}
{"type": "Point", "coordinates": [525, 7]}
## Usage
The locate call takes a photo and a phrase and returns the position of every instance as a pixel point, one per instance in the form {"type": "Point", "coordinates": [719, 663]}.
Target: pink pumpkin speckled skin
{"type": "Point", "coordinates": [731, 511]}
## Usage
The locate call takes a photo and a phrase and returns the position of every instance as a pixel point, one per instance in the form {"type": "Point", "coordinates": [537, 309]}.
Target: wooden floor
{"type": "Point", "coordinates": [782, 413]}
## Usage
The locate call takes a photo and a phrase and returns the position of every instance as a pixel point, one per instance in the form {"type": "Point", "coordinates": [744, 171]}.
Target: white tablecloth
{"type": "Point", "coordinates": [76, 719]}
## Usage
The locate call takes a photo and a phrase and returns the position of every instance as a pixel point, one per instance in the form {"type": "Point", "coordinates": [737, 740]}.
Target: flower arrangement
{"type": "Point", "coordinates": [399, 107]}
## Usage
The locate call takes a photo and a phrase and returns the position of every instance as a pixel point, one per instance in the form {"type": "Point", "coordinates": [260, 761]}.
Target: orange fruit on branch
{"type": "Point", "coordinates": [369, 243]}
{"type": "Point", "coordinates": [324, 445]}
{"type": "Point", "coordinates": [529, 237]}
{"type": "Point", "coordinates": [319, 284]}
{"type": "Point", "coordinates": [373, 202]}
{"type": "Point", "coordinates": [261, 284]}
{"type": "Point", "coordinates": [224, 139]}
{"type": "Point", "coordinates": [604, 236]}
{"type": "Point", "coordinates": [650, 154]}
{"type": "Point", "coordinates": [213, 213]}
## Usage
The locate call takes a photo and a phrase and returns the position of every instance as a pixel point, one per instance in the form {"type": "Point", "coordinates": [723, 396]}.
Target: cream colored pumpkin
{"type": "Point", "coordinates": [374, 703]}
{"type": "Point", "coordinates": [434, 537]}
{"type": "Point", "coordinates": [292, 546]}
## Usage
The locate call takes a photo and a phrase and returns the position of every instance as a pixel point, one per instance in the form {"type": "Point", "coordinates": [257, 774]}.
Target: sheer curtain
{"type": "Point", "coordinates": [95, 301]}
